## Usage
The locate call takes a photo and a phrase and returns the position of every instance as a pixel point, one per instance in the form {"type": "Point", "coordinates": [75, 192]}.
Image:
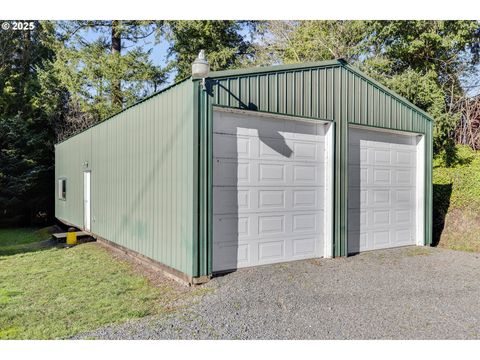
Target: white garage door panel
{"type": "Point", "coordinates": [268, 192]}
{"type": "Point", "coordinates": [246, 254]}
{"type": "Point", "coordinates": [246, 227]}
{"type": "Point", "coordinates": [243, 200]}
{"type": "Point", "coordinates": [382, 190]}
{"type": "Point", "coordinates": [284, 149]}
{"type": "Point", "coordinates": [230, 172]}
{"type": "Point", "coordinates": [239, 124]}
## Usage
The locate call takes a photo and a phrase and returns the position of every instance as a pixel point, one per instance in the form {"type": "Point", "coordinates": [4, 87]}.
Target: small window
{"type": "Point", "coordinates": [62, 189]}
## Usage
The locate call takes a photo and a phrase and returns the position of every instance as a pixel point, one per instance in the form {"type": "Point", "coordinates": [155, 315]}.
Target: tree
{"type": "Point", "coordinates": [306, 40]}
{"type": "Point", "coordinates": [425, 61]}
{"type": "Point", "coordinates": [102, 66]}
{"type": "Point", "coordinates": [224, 45]}
{"type": "Point", "coordinates": [26, 127]}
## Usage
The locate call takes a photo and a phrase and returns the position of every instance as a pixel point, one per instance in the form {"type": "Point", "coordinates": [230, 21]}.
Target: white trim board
{"type": "Point", "coordinates": [269, 115]}
{"type": "Point", "coordinates": [384, 130]}
{"type": "Point", "coordinates": [420, 196]}
{"type": "Point", "coordinates": [329, 196]}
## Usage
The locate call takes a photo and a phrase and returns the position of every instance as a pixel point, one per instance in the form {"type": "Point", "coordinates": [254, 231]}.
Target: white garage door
{"type": "Point", "coordinates": [382, 190]}
{"type": "Point", "coordinates": [268, 195]}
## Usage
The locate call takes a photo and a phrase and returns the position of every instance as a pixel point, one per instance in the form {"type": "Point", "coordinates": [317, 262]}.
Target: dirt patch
{"type": "Point", "coordinates": [155, 276]}
{"type": "Point", "coordinates": [462, 230]}
{"type": "Point", "coordinates": [419, 251]}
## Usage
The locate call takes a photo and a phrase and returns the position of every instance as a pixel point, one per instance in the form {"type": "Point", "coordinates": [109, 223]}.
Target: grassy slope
{"type": "Point", "coordinates": [58, 292]}
{"type": "Point", "coordinates": [457, 201]}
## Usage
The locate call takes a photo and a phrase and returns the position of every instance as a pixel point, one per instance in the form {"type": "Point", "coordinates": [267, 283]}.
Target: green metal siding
{"type": "Point", "coordinates": [142, 178]}
{"type": "Point", "coordinates": [330, 90]}
{"type": "Point", "coordinates": [69, 159]}
{"type": "Point", "coordinates": [301, 92]}
{"type": "Point", "coordinates": [368, 103]}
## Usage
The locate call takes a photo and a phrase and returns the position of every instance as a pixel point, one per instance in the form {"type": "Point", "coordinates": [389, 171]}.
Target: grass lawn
{"type": "Point", "coordinates": [20, 240]}
{"type": "Point", "coordinates": [456, 198]}
{"type": "Point", "coordinates": [48, 293]}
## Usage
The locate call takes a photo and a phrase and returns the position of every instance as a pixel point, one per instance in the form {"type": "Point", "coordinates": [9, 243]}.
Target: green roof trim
{"type": "Point", "coordinates": [273, 68]}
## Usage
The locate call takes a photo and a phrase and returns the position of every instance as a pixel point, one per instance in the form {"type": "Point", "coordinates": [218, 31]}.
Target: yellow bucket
{"type": "Point", "coordinates": [71, 237]}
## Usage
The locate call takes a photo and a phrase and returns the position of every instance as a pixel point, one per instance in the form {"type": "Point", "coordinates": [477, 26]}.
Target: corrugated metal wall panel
{"type": "Point", "coordinates": [368, 104]}
{"type": "Point", "coordinates": [69, 163]}
{"type": "Point", "coordinates": [303, 92]}
{"type": "Point", "coordinates": [142, 178]}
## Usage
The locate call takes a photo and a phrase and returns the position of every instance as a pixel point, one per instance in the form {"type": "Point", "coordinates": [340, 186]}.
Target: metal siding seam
{"type": "Point", "coordinates": [239, 93]}
{"type": "Point", "coordinates": [200, 177]}
{"type": "Point", "coordinates": [177, 182]}
{"type": "Point", "coordinates": [154, 163]}
{"type": "Point", "coordinates": [301, 100]}
{"type": "Point", "coordinates": [294, 93]}
{"type": "Point", "coordinates": [183, 176]}
{"type": "Point", "coordinates": [343, 103]}
{"type": "Point", "coordinates": [314, 96]}
{"type": "Point", "coordinates": [202, 189]}
{"type": "Point", "coordinates": [196, 179]}
{"type": "Point", "coordinates": [204, 179]}
{"type": "Point", "coordinates": [164, 182]}
{"type": "Point", "coordinates": [171, 182]}
{"type": "Point", "coordinates": [184, 190]}
{"type": "Point", "coordinates": [267, 97]}
{"type": "Point", "coordinates": [285, 107]}
{"type": "Point", "coordinates": [277, 92]}
{"type": "Point", "coordinates": [260, 82]}
{"type": "Point", "coordinates": [324, 87]}
{"type": "Point", "coordinates": [209, 187]}
{"type": "Point", "coordinates": [166, 172]}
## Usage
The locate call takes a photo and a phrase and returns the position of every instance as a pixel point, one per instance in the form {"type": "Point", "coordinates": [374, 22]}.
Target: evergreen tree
{"type": "Point", "coordinates": [102, 65]}
{"type": "Point", "coordinates": [305, 41]}
{"type": "Point", "coordinates": [26, 127]}
{"type": "Point", "coordinates": [224, 45]}
{"type": "Point", "coordinates": [425, 61]}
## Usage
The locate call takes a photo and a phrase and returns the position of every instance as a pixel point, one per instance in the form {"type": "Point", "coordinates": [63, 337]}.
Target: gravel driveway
{"type": "Point", "coordinates": [405, 293]}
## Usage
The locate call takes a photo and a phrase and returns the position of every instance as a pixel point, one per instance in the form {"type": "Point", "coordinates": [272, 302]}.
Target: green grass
{"type": "Point", "coordinates": [21, 240]}
{"type": "Point", "coordinates": [59, 292]}
{"type": "Point", "coordinates": [456, 197]}
{"type": "Point", "coordinates": [464, 176]}
{"type": "Point", "coordinates": [21, 236]}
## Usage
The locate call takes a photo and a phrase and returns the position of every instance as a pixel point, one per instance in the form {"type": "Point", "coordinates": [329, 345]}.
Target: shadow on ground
{"type": "Point", "coordinates": [441, 203]}
{"type": "Point", "coordinates": [28, 248]}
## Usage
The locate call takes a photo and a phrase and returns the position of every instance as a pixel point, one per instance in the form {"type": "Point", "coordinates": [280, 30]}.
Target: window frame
{"type": "Point", "coordinates": [62, 189]}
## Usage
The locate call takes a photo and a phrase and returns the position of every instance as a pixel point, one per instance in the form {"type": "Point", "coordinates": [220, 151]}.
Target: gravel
{"type": "Point", "coordinates": [404, 293]}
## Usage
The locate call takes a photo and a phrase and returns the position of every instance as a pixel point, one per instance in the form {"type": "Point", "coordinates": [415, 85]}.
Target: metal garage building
{"type": "Point", "coordinates": [263, 165]}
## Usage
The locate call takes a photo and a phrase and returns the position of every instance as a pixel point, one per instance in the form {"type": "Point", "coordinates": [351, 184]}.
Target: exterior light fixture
{"type": "Point", "coordinates": [201, 68]}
